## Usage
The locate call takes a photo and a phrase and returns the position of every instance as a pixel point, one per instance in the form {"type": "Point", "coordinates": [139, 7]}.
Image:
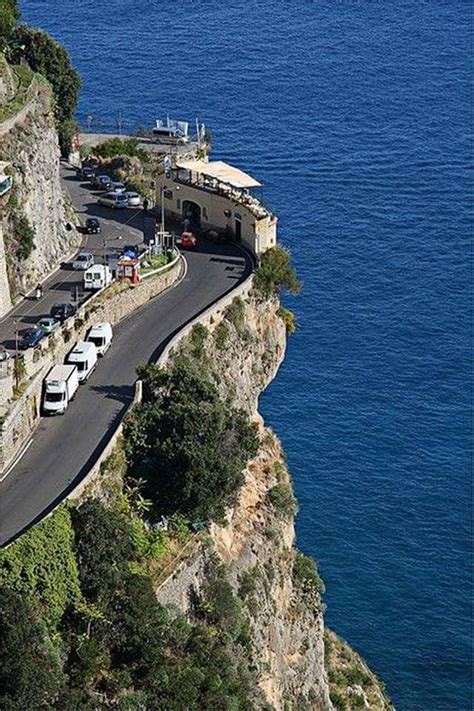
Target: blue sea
{"type": "Point", "coordinates": [357, 116]}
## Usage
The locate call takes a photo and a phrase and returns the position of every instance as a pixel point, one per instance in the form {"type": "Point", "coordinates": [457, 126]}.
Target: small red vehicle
{"type": "Point", "coordinates": [188, 240]}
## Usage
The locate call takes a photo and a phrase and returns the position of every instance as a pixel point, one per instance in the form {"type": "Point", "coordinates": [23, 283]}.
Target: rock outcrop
{"type": "Point", "coordinates": [242, 350]}
{"type": "Point", "coordinates": [37, 233]}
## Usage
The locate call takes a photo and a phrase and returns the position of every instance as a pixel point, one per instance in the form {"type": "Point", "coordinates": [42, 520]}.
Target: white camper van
{"type": "Point", "coordinates": [84, 357]}
{"type": "Point", "coordinates": [59, 389]}
{"type": "Point", "coordinates": [97, 277]}
{"type": "Point", "coordinates": [101, 335]}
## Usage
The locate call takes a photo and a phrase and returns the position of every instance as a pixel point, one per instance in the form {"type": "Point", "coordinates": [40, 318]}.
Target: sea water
{"type": "Point", "coordinates": [356, 115]}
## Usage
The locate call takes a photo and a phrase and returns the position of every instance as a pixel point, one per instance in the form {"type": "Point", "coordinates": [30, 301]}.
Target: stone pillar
{"type": "Point", "coordinates": [5, 300]}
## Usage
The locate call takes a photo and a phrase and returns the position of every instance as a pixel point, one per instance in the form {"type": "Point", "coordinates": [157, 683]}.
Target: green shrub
{"type": "Point", "coordinates": [31, 673]}
{"type": "Point", "coordinates": [220, 606]}
{"type": "Point", "coordinates": [248, 583]}
{"type": "Point", "coordinates": [338, 700]}
{"type": "Point", "coordinates": [221, 336]}
{"type": "Point", "coordinates": [9, 16]}
{"type": "Point", "coordinates": [275, 273]}
{"type": "Point", "coordinates": [282, 499]}
{"type": "Point", "coordinates": [235, 313]}
{"type": "Point", "coordinates": [186, 443]}
{"type": "Point", "coordinates": [46, 56]}
{"type": "Point", "coordinates": [42, 564]}
{"type": "Point", "coordinates": [288, 318]}
{"type": "Point", "coordinates": [104, 544]}
{"type": "Point", "coordinates": [197, 339]}
{"type": "Point", "coordinates": [24, 236]}
{"type": "Point", "coordinates": [305, 571]}
{"type": "Point", "coordinates": [113, 147]}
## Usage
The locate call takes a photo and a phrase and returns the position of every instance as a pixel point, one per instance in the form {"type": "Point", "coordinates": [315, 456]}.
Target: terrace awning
{"type": "Point", "coordinates": [221, 171]}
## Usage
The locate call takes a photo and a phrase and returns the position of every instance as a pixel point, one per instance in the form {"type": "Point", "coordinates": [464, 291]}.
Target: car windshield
{"type": "Point", "coordinates": [55, 397]}
{"type": "Point", "coordinates": [97, 340]}
{"type": "Point", "coordinates": [82, 258]}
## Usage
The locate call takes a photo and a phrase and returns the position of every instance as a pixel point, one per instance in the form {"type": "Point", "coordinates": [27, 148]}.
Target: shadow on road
{"type": "Point", "coordinates": [120, 393]}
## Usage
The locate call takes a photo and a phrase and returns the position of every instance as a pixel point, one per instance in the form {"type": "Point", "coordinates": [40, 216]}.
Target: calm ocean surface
{"type": "Point", "coordinates": [356, 115]}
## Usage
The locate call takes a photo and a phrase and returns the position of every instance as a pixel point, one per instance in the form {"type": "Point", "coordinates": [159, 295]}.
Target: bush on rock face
{"type": "Point", "coordinates": [189, 445]}
{"type": "Point", "coordinates": [276, 273]}
{"type": "Point", "coordinates": [46, 56]}
{"type": "Point", "coordinates": [9, 16]}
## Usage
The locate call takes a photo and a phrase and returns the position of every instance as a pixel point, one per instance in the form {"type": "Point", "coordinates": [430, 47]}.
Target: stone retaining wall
{"type": "Point", "coordinates": [18, 425]}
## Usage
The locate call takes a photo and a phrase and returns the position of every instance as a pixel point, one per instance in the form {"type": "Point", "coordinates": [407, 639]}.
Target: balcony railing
{"type": "Point", "coordinates": [239, 197]}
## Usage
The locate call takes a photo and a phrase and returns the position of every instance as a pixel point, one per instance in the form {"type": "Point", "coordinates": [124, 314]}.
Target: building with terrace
{"type": "Point", "coordinates": [217, 196]}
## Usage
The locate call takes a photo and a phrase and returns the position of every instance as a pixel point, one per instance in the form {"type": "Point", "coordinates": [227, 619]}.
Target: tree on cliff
{"type": "Point", "coordinates": [9, 16]}
{"type": "Point", "coordinates": [46, 56]}
{"type": "Point", "coordinates": [187, 443]}
{"type": "Point", "coordinates": [30, 668]}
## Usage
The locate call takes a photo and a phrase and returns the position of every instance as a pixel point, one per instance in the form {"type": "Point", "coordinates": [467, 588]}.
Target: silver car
{"type": "Point", "coordinates": [83, 261]}
{"type": "Point", "coordinates": [134, 199]}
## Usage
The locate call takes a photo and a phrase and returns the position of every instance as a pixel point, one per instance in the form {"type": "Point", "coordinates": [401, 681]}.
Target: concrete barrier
{"type": "Point", "coordinates": [17, 427]}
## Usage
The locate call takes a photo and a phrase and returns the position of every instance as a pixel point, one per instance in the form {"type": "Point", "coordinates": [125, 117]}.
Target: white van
{"type": "Point", "coordinates": [60, 386]}
{"type": "Point", "coordinates": [113, 199]}
{"type": "Point", "coordinates": [84, 357]}
{"type": "Point", "coordinates": [101, 335]}
{"type": "Point", "coordinates": [97, 277]}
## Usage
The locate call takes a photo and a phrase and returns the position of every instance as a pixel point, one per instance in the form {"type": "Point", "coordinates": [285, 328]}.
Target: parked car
{"type": "Point", "coordinates": [59, 388]}
{"type": "Point", "coordinates": [92, 226]}
{"type": "Point", "coordinates": [83, 261]}
{"type": "Point", "coordinates": [101, 181]}
{"type": "Point", "coordinates": [187, 240]}
{"type": "Point", "coordinates": [115, 187]}
{"type": "Point", "coordinates": [84, 357]}
{"type": "Point", "coordinates": [61, 312]}
{"type": "Point", "coordinates": [113, 200]}
{"type": "Point", "coordinates": [84, 173]}
{"type": "Point", "coordinates": [134, 199]}
{"type": "Point", "coordinates": [101, 335]}
{"type": "Point", "coordinates": [31, 338]}
{"type": "Point", "coordinates": [97, 277]}
{"type": "Point", "coordinates": [48, 324]}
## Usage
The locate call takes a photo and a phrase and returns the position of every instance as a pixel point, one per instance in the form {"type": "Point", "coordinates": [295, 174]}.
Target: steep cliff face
{"type": "Point", "coordinates": [35, 216]}
{"type": "Point", "coordinates": [299, 665]}
{"type": "Point", "coordinates": [256, 543]}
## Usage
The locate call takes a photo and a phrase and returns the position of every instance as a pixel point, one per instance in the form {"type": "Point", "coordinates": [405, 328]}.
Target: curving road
{"type": "Point", "coordinates": [64, 448]}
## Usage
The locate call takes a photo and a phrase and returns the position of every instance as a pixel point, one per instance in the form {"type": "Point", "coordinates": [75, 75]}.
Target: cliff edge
{"type": "Point", "coordinates": [281, 588]}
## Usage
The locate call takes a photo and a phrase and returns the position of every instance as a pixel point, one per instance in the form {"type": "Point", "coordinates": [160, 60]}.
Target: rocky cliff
{"type": "Point", "coordinates": [242, 350]}
{"type": "Point", "coordinates": [33, 215]}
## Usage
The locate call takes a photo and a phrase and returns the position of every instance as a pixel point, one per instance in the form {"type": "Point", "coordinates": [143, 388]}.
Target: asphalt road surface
{"type": "Point", "coordinates": [63, 449]}
{"type": "Point", "coordinates": [126, 227]}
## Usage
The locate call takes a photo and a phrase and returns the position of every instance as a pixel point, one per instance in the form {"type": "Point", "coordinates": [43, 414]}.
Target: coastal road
{"type": "Point", "coordinates": [63, 449]}
{"type": "Point", "coordinates": [125, 228]}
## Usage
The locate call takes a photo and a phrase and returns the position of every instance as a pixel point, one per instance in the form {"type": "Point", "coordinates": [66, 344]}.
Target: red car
{"type": "Point", "coordinates": [188, 240]}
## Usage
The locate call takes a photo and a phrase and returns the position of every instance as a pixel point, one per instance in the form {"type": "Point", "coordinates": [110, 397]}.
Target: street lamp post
{"type": "Point", "coordinates": [163, 208]}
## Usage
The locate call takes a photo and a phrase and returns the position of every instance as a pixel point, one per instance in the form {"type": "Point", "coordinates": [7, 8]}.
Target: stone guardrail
{"type": "Point", "coordinates": [206, 318]}
{"type": "Point", "coordinates": [24, 415]}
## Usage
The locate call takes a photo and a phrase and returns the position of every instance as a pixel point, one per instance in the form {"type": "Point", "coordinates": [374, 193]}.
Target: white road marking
{"type": "Point", "coordinates": [16, 461]}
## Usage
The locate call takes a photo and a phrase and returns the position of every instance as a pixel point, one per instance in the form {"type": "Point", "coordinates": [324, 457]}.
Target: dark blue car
{"type": "Point", "coordinates": [31, 338]}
